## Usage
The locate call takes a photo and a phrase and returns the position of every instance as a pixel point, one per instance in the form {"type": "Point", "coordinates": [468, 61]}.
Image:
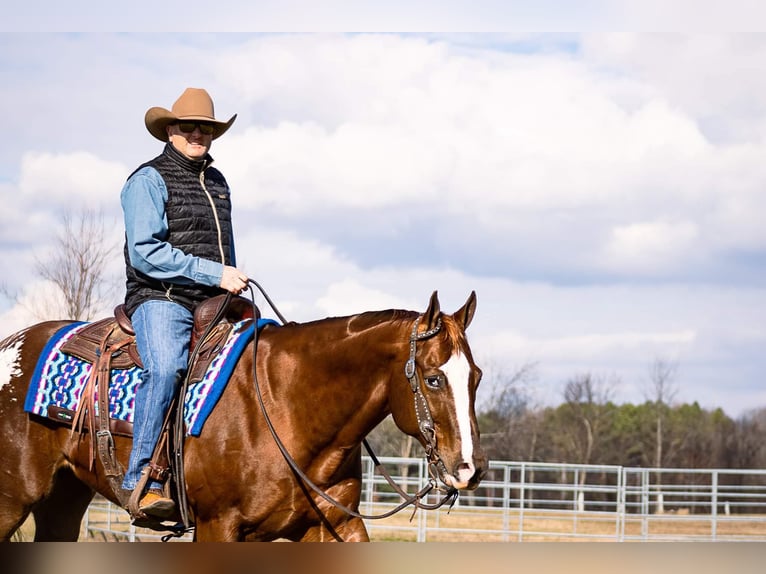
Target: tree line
{"type": "Point", "coordinates": [588, 427]}
{"type": "Point", "coordinates": [592, 432]}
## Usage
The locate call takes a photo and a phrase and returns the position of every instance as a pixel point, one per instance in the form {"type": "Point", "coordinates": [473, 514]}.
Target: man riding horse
{"type": "Point", "coordinates": [179, 250]}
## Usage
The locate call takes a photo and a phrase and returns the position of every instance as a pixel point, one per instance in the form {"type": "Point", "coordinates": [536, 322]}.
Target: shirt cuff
{"type": "Point", "coordinates": [209, 273]}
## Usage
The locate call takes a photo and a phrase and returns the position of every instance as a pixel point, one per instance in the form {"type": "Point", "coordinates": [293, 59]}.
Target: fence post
{"type": "Point", "coordinates": [522, 498]}
{"type": "Point", "coordinates": [645, 504]}
{"type": "Point", "coordinates": [506, 502]}
{"type": "Point", "coordinates": [622, 480]}
{"type": "Point", "coordinates": [714, 504]}
{"type": "Point", "coordinates": [423, 475]}
{"type": "Point", "coordinates": [368, 480]}
{"type": "Point", "coordinates": [86, 521]}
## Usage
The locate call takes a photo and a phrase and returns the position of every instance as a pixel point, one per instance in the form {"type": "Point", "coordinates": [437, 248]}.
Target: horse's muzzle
{"type": "Point", "coordinates": [467, 475]}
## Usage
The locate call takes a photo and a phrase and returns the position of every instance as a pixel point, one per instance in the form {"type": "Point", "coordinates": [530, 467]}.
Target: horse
{"type": "Point", "coordinates": [322, 385]}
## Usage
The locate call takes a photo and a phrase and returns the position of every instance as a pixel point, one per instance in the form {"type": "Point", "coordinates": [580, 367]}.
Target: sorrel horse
{"type": "Point", "coordinates": [324, 386]}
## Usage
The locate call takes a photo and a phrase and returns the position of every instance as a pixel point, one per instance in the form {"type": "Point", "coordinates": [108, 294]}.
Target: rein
{"type": "Point", "coordinates": [424, 418]}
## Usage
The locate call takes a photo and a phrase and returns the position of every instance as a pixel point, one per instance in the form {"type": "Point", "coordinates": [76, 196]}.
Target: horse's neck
{"type": "Point", "coordinates": [373, 343]}
{"type": "Point", "coordinates": [354, 360]}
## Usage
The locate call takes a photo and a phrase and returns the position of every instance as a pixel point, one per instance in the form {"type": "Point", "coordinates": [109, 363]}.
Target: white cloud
{"type": "Point", "coordinates": [651, 246]}
{"type": "Point", "coordinates": [592, 348]}
{"type": "Point", "coordinates": [708, 75]}
{"type": "Point", "coordinates": [349, 297]}
{"type": "Point", "coordinates": [534, 162]}
{"type": "Point", "coordinates": [387, 120]}
{"type": "Point", "coordinates": [70, 178]}
{"type": "Point", "coordinates": [39, 301]}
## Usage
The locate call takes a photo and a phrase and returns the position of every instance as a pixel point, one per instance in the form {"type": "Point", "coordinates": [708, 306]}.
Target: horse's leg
{"type": "Point", "coordinates": [352, 530]}
{"type": "Point", "coordinates": [335, 525]}
{"type": "Point", "coordinates": [59, 514]}
{"type": "Point", "coordinates": [217, 530]}
{"type": "Point", "coordinates": [14, 508]}
{"type": "Point", "coordinates": [57, 503]}
{"type": "Point", "coordinates": [12, 516]}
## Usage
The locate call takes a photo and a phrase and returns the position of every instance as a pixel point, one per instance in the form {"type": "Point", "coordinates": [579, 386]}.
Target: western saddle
{"type": "Point", "coordinates": [110, 344]}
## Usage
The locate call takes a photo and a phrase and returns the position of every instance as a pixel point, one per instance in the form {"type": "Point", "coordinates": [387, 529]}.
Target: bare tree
{"type": "Point", "coordinates": [662, 383]}
{"type": "Point", "coordinates": [586, 397]}
{"type": "Point", "coordinates": [504, 414]}
{"type": "Point", "coordinates": [388, 440]}
{"type": "Point", "coordinates": [663, 389]}
{"type": "Point", "coordinates": [76, 265]}
{"type": "Point", "coordinates": [78, 262]}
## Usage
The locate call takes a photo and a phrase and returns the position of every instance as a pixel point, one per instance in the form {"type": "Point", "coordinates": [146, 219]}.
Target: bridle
{"type": "Point", "coordinates": [436, 466]}
{"type": "Point", "coordinates": [425, 423]}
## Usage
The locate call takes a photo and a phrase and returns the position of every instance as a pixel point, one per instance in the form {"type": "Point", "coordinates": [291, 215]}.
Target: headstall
{"type": "Point", "coordinates": [436, 466]}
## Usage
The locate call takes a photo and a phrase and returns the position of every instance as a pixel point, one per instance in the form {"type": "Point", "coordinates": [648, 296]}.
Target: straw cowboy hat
{"type": "Point", "coordinates": [194, 104]}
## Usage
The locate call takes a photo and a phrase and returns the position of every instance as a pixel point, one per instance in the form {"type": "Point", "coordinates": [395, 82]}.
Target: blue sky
{"type": "Point", "coordinates": [602, 193]}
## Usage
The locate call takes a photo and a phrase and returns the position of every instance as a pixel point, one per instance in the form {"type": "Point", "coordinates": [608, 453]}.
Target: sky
{"type": "Point", "coordinates": [603, 193]}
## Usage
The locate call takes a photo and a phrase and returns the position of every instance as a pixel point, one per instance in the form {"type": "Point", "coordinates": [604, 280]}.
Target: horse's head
{"type": "Point", "coordinates": [438, 405]}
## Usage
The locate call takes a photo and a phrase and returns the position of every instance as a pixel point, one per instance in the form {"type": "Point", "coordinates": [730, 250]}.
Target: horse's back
{"type": "Point", "coordinates": [19, 354]}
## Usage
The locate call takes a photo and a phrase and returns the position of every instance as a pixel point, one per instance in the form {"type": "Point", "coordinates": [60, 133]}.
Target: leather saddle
{"type": "Point", "coordinates": [110, 344]}
{"type": "Point", "coordinates": [116, 334]}
{"type": "Point", "coordinates": [112, 333]}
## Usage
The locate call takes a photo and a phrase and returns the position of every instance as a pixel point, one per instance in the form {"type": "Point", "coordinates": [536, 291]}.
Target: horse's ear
{"type": "Point", "coordinates": [464, 315]}
{"type": "Point", "coordinates": [432, 313]}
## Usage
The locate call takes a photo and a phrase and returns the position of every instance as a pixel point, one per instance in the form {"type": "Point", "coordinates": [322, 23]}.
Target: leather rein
{"type": "Point", "coordinates": [425, 424]}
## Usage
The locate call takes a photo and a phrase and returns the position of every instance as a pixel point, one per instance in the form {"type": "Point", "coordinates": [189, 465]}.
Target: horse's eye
{"type": "Point", "coordinates": [434, 381]}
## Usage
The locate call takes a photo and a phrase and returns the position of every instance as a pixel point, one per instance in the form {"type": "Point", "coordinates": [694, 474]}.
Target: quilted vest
{"type": "Point", "coordinates": [192, 227]}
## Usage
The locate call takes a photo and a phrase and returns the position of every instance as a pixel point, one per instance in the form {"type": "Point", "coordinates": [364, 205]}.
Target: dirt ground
{"type": "Point", "coordinates": [489, 525]}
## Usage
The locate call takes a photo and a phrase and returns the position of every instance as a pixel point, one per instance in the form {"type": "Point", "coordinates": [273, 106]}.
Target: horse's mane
{"type": "Point", "coordinates": [369, 319]}
{"type": "Point", "coordinates": [400, 318]}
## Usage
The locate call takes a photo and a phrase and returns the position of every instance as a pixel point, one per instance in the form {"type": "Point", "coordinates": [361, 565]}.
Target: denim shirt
{"type": "Point", "coordinates": [143, 201]}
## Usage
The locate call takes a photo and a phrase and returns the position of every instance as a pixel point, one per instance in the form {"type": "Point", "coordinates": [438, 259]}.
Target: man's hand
{"type": "Point", "coordinates": [233, 280]}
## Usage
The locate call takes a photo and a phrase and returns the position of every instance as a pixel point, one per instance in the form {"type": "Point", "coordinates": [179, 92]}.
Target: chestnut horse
{"type": "Point", "coordinates": [324, 385]}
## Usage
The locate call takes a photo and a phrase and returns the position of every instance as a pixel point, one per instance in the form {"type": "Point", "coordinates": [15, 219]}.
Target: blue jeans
{"type": "Point", "coordinates": [163, 332]}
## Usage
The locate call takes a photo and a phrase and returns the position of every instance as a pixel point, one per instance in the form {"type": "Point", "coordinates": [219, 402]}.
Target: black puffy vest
{"type": "Point", "coordinates": [192, 227]}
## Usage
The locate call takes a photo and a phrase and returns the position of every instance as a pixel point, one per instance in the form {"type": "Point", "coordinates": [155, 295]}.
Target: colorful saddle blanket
{"type": "Point", "coordinates": [59, 379]}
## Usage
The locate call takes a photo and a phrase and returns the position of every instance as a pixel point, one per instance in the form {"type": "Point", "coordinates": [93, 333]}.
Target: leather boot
{"type": "Point", "coordinates": [154, 503]}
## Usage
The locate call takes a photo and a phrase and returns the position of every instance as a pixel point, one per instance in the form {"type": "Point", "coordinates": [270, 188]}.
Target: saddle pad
{"type": "Point", "coordinates": [59, 379]}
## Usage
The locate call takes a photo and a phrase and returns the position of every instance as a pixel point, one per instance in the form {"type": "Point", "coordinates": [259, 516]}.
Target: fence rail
{"type": "Point", "coordinates": [524, 501]}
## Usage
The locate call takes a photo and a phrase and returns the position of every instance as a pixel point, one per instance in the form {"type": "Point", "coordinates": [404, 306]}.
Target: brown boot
{"type": "Point", "coordinates": [155, 504]}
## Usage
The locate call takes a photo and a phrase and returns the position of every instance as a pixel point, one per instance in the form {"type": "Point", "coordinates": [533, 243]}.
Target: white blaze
{"type": "Point", "coordinates": [458, 372]}
{"type": "Point", "coordinates": [9, 361]}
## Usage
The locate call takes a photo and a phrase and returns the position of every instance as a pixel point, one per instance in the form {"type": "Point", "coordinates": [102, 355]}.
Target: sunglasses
{"type": "Point", "coordinates": [189, 127]}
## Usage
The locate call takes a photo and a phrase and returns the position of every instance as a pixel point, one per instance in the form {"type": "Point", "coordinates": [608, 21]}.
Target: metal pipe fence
{"type": "Point", "coordinates": [524, 501]}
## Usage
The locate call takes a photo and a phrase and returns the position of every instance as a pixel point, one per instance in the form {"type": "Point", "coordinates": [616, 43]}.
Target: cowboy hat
{"type": "Point", "coordinates": [194, 104]}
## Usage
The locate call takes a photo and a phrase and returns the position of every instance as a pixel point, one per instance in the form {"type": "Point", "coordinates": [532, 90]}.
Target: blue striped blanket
{"type": "Point", "coordinates": [59, 379]}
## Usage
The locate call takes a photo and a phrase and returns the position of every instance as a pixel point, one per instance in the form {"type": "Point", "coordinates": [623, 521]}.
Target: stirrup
{"type": "Point", "coordinates": [156, 505]}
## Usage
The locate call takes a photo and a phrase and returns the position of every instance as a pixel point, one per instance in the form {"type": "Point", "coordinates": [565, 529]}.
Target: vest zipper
{"type": "Point", "coordinates": [215, 215]}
